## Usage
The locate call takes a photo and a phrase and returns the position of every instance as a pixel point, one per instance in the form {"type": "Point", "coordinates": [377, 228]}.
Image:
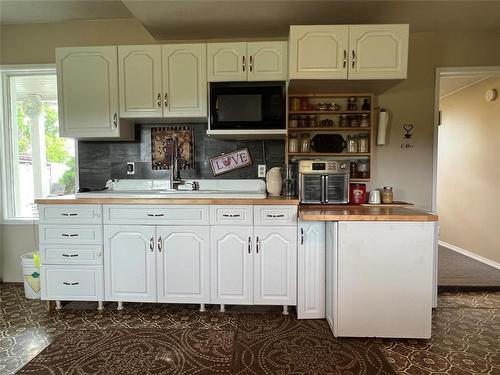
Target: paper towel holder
{"type": "Point", "coordinates": [383, 121]}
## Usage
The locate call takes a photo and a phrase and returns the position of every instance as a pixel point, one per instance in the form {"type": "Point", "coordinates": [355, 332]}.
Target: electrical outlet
{"type": "Point", "coordinates": [130, 167]}
{"type": "Point", "coordinates": [261, 171]}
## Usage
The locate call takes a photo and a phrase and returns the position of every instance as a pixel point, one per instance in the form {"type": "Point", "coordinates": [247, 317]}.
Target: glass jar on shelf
{"type": "Point", "coordinates": [352, 104]}
{"type": "Point", "coordinates": [295, 104]}
{"type": "Point", "coordinates": [365, 121]}
{"type": "Point", "coordinates": [353, 171]}
{"type": "Point", "coordinates": [352, 143]}
{"type": "Point", "coordinates": [293, 121]}
{"type": "Point", "coordinates": [363, 168]}
{"type": "Point", "coordinates": [301, 121]}
{"type": "Point", "coordinates": [293, 144]}
{"type": "Point", "coordinates": [363, 143]}
{"type": "Point", "coordinates": [305, 143]}
{"type": "Point", "coordinates": [311, 121]}
{"type": "Point", "coordinates": [304, 104]}
{"type": "Point", "coordinates": [344, 121]}
{"type": "Point", "coordinates": [354, 122]}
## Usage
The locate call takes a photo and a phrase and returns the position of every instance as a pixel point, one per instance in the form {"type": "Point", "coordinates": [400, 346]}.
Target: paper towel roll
{"type": "Point", "coordinates": [383, 120]}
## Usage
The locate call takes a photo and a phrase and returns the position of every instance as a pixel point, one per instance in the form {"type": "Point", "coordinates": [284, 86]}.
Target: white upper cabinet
{"type": "Point", "coordinates": [267, 61]}
{"type": "Point", "coordinates": [378, 51]}
{"type": "Point", "coordinates": [140, 81]}
{"type": "Point", "coordinates": [319, 51]}
{"type": "Point", "coordinates": [348, 52]}
{"type": "Point", "coordinates": [87, 87]}
{"type": "Point", "coordinates": [256, 61]}
{"type": "Point", "coordinates": [184, 80]}
{"type": "Point", "coordinates": [227, 62]}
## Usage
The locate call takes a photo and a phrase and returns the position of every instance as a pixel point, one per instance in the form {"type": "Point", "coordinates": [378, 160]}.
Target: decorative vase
{"type": "Point", "coordinates": [274, 181]}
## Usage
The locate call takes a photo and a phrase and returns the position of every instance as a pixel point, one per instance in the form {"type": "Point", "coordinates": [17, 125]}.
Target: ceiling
{"type": "Point", "coordinates": [451, 85]}
{"type": "Point", "coordinates": [207, 19]}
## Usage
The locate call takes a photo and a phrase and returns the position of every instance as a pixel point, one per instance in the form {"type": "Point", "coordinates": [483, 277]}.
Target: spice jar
{"type": "Point", "coordinates": [293, 144]}
{"type": "Point", "coordinates": [344, 121]}
{"type": "Point", "coordinates": [354, 121]}
{"type": "Point", "coordinates": [387, 195]}
{"type": "Point", "coordinates": [301, 121]}
{"type": "Point", "coordinates": [352, 104]}
{"type": "Point", "coordinates": [363, 168]}
{"type": "Point", "coordinates": [352, 143]}
{"type": "Point", "coordinates": [304, 104]}
{"type": "Point", "coordinates": [363, 144]}
{"type": "Point", "coordinates": [305, 143]}
{"type": "Point", "coordinates": [293, 122]}
{"type": "Point", "coordinates": [353, 172]}
{"type": "Point", "coordinates": [311, 121]}
{"type": "Point", "coordinates": [295, 104]}
{"type": "Point", "coordinates": [365, 121]}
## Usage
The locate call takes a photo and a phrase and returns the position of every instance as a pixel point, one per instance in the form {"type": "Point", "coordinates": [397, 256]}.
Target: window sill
{"type": "Point", "coordinates": [20, 221]}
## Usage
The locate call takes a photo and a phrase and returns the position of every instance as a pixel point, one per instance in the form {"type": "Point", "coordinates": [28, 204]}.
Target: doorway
{"type": "Point", "coordinates": [467, 175]}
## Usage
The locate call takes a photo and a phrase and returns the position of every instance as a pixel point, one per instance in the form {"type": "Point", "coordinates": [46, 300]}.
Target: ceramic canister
{"type": "Point", "coordinates": [274, 181]}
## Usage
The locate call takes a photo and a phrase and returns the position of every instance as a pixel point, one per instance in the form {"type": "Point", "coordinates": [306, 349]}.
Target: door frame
{"type": "Point", "coordinates": [450, 72]}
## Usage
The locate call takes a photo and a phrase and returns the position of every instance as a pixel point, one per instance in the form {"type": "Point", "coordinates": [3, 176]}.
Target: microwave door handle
{"type": "Point", "coordinates": [326, 189]}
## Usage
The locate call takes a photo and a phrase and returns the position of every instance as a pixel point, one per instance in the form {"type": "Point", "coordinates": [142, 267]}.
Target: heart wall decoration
{"type": "Point", "coordinates": [225, 163]}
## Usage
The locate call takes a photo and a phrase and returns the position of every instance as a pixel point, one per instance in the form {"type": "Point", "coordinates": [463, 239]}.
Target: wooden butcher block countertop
{"type": "Point", "coordinates": [363, 213]}
{"type": "Point", "coordinates": [71, 199]}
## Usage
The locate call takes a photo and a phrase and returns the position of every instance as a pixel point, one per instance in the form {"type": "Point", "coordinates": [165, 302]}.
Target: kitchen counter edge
{"type": "Point", "coordinates": [361, 213]}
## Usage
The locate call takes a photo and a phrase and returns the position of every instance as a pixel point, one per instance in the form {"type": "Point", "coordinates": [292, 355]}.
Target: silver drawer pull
{"type": "Point", "coordinates": [67, 283]}
{"type": "Point", "coordinates": [70, 214]}
{"type": "Point", "coordinates": [69, 235]}
{"type": "Point", "coordinates": [156, 215]}
{"type": "Point", "coordinates": [151, 215]}
{"type": "Point", "coordinates": [280, 215]}
{"type": "Point", "coordinates": [231, 215]}
{"type": "Point", "coordinates": [70, 255]}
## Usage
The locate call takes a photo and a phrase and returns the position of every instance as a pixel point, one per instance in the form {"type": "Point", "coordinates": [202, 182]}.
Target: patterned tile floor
{"type": "Point", "coordinates": [466, 335]}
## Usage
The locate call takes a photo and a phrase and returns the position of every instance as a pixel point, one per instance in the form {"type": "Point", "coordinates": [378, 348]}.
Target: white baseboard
{"type": "Point", "coordinates": [479, 258]}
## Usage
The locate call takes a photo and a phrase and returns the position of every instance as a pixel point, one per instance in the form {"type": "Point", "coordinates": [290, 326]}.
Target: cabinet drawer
{"type": "Point", "coordinates": [84, 283]}
{"type": "Point", "coordinates": [153, 214]}
{"type": "Point", "coordinates": [70, 214]}
{"type": "Point", "coordinates": [275, 215]}
{"type": "Point", "coordinates": [71, 234]}
{"type": "Point", "coordinates": [71, 254]}
{"type": "Point", "coordinates": [231, 215]}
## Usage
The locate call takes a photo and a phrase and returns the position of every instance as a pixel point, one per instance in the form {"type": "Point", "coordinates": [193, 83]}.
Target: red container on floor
{"type": "Point", "coordinates": [357, 193]}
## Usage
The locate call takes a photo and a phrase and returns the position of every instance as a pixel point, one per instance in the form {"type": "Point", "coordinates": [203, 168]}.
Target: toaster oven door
{"type": "Point", "coordinates": [311, 188]}
{"type": "Point", "coordinates": [336, 188]}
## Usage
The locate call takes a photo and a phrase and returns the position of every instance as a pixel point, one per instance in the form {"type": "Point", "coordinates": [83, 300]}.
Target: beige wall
{"type": "Point", "coordinates": [469, 172]}
{"type": "Point", "coordinates": [411, 101]}
{"type": "Point", "coordinates": [16, 241]}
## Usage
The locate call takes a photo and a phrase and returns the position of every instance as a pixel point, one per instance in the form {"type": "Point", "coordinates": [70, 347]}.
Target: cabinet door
{"type": "Point", "coordinates": [130, 263]}
{"type": "Point", "coordinates": [140, 81]}
{"type": "Point", "coordinates": [227, 62]}
{"type": "Point", "coordinates": [378, 51]}
{"type": "Point", "coordinates": [231, 264]}
{"type": "Point", "coordinates": [183, 264]}
{"type": "Point", "coordinates": [267, 61]}
{"type": "Point", "coordinates": [87, 88]}
{"type": "Point", "coordinates": [311, 270]}
{"type": "Point", "coordinates": [184, 80]}
{"type": "Point", "coordinates": [318, 52]}
{"type": "Point", "coordinates": [275, 265]}
{"type": "Point", "coordinates": [331, 272]}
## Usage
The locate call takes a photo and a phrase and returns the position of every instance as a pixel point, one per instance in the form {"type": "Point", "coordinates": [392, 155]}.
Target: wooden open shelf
{"type": "Point", "coordinates": [359, 95]}
{"type": "Point", "coordinates": [329, 128]}
{"type": "Point", "coordinates": [329, 112]}
{"type": "Point", "coordinates": [351, 154]}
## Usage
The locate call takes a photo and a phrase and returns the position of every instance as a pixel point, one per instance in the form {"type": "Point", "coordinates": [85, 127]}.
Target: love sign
{"type": "Point", "coordinates": [229, 162]}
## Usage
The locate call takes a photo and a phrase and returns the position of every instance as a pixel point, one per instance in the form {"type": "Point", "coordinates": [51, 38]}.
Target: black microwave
{"type": "Point", "coordinates": [247, 105]}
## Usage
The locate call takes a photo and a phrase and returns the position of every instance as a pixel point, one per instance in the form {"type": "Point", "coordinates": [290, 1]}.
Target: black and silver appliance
{"type": "Point", "coordinates": [324, 181]}
{"type": "Point", "coordinates": [247, 106]}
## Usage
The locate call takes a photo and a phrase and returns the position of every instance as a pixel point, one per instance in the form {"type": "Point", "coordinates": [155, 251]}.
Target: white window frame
{"type": "Point", "coordinates": [6, 162]}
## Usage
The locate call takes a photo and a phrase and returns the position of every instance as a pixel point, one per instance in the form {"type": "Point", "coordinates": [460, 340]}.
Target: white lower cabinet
{"type": "Point", "coordinates": [253, 265]}
{"type": "Point", "coordinates": [183, 264]}
{"type": "Point", "coordinates": [130, 263]}
{"type": "Point", "coordinates": [311, 270]}
{"type": "Point", "coordinates": [331, 272]}
{"type": "Point", "coordinates": [76, 283]}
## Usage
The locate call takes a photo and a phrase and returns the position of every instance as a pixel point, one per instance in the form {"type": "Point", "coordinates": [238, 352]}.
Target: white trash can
{"type": "Point", "coordinates": [31, 277]}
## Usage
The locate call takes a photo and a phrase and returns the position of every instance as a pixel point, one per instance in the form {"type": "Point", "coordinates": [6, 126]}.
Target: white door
{"type": "Point", "coordinates": [87, 89]}
{"type": "Point", "coordinates": [378, 51]}
{"type": "Point", "coordinates": [184, 80]}
{"type": "Point", "coordinates": [331, 272]}
{"type": "Point", "coordinates": [311, 270]}
{"type": "Point", "coordinates": [267, 61]}
{"type": "Point", "coordinates": [318, 52]}
{"type": "Point", "coordinates": [227, 62]}
{"type": "Point", "coordinates": [384, 280]}
{"type": "Point", "coordinates": [140, 81]}
{"type": "Point", "coordinates": [130, 263]}
{"type": "Point", "coordinates": [275, 263]}
{"type": "Point", "coordinates": [183, 264]}
{"type": "Point", "coordinates": [231, 264]}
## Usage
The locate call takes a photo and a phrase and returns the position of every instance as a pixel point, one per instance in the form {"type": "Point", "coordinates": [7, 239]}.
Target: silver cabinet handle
{"type": "Point", "coordinates": [115, 120]}
{"type": "Point", "coordinates": [70, 283]}
{"type": "Point", "coordinates": [70, 214]}
{"type": "Point", "coordinates": [257, 245]}
{"type": "Point", "coordinates": [301, 236]}
{"type": "Point", "coordinates": [159, 244]}
{"type": "Point", "coordinates": [69, 255]}
{"type": "Point", "coordinates": [353, 58]}
{"type": "Point", "coordinates": [156, 215]}
{"type": "Point", "coordinates": [271, 215]}
{"type": "Point", "coordinates": [152, 244]}
{"type": "Point", "coordinates": [69, 234]}
{"type": "Point", "coordinates": [243, 63]}
{"type": "Point", "coordinates": [249, 244]}
{"type": "Point", "coordinates": [158, 100]}
{"type": "Point", "coordinates": [231, 215]}
{"type": "Point", "coordinates": [165, 100]}
{"type": "Point", "coordinates": [345, 58]}
{"type": "Point", "coordinates": [251, 66]}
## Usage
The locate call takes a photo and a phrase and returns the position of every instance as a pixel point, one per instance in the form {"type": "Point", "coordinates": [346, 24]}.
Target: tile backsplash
{"type": "Point", "coordinates": [101, 161]}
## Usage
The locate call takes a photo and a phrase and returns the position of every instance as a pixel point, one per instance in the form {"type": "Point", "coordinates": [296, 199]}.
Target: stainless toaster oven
{"type": "Point", "coordinates": [324, 181]}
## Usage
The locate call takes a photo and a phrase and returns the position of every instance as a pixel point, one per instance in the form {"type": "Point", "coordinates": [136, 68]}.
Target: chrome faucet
{"type": "Point", "coordinates": [175, 178]}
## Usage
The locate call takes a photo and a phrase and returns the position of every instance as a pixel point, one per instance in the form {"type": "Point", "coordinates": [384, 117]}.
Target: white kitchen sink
{"type": "Point", "coordinates": [131, 188]}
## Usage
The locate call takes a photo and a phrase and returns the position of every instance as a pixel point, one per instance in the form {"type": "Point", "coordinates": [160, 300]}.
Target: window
{"type": "Point", "coordinates": [37, 163]}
